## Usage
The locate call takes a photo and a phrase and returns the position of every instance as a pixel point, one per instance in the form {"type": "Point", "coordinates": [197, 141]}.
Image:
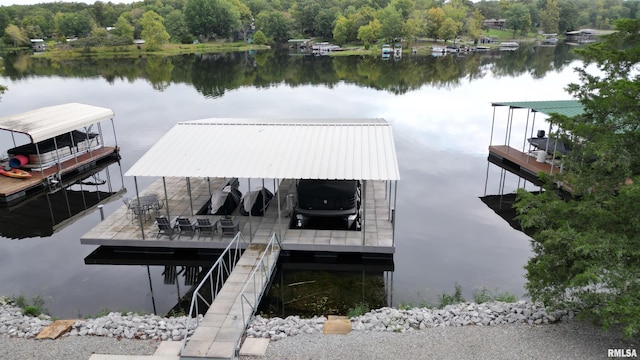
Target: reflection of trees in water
{"type": "Point", "coordinates": [213, 74]}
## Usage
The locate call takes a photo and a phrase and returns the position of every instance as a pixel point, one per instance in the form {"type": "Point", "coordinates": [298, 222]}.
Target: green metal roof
{"type": "Point", "coordinates": [568, 108]}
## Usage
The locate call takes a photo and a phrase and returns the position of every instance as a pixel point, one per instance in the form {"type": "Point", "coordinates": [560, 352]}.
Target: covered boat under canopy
{"type": "Point", "coordinates": [256, 201]}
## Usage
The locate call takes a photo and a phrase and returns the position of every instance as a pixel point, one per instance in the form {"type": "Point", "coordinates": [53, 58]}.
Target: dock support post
{"type": "Point", "coordinates": [190, 197]}
{"type": "Point", "coordinates": [140, 216]}
{"type": "Point", "coordinates": [250, 208]}
{"type": "Point", "coordinates": [393, 220]}
{"type": "Point", "coordinates": [166, 196]}
{"type": "Point", "coordinates": [364, 210]}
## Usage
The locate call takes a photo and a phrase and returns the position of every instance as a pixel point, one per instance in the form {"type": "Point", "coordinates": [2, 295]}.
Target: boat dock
{"type": "Point", "coordinates": [122, 229]}
{"type": "Point", "coordinates": [205, 155]}
{"type": "Point", "coordinates": [520, 151]}
{"type": "Point", "coordinates": [522, 164]}
{"type": "Point", "coordinates": [15, 190]}
{"type": "Point", "coordinates": [48, 144]}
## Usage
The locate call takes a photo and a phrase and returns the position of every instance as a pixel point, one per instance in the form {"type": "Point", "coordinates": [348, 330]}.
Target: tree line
{"type": "Point", "coordinates": [275, 21]}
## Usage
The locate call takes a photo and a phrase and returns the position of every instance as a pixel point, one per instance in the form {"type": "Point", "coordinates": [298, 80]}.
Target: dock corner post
{"type": "Point", "coordinates": [393, 217]}
{"type": "Point", "coordinates": [250, 208]}
{"type": "Point", "coordinates": [166, 196]}
{"type": "Point", "coordinates": [190, 195]}
{"type": "Point", "coordinates": [279, 207]}
{"type": "Point", "coordinates": [135, 181]}
{"type": "Point", "coordinates": [364, 211]}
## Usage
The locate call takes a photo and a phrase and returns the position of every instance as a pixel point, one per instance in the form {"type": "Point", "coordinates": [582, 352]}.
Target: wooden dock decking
{"type": "Point", "coordinates": [520, 163]}
{"type": "Point", "coordinates": [13, 189]}
{"type": "Point", "coordinates": [120, 230]}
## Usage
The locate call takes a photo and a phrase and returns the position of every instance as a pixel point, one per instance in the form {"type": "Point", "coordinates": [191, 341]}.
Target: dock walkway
{"type": "Point", "coordinates": [219, 333]}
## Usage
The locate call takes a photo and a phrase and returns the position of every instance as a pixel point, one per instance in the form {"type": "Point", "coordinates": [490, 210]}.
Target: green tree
{"type": "Point", "coordinates": [435, 20]}
{"type": "Point", "coordinates": [153, 31]}
{"type": "Point", "coordinates": [569, 16]}
{"type": "Point", "coordinates": [16, 35]}
{"type": "Point", "coordinates": [211, 17]}
{"type": "Point", "coordinates": [341, 30]}
{"type": "Point", "coordinates": [274, 24]}
{"type": "Point", "coordinates": [518, 19]}
{"type": "Point", "coordinates": [259, 38]}
{"type": "Point", "coordinates": [474, 25]}
{"type": "Point", "coordinates": [587, 249]}
{"type": "Point", "coordinates": [74, 24]}
{"type": "Point", "coordinates": [246, 19]}
{"type": "Point", "coordinates": [410, 30]}
{"type": "Point", "coordinates": [177, 28]}
{"type": "Point", "coordinates": [449, 30]}
{"type": "Point", "coordinates": [391, 23]}
{"type": "Point", "coordinates": [123, 28]}
{"type": "Point", "coordinates": [550, 17]}
{"type": "Point", "coordinates": [324, 22]}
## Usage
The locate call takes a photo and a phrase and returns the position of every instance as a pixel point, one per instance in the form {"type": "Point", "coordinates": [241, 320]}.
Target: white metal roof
{"type": "Point", "coordinates": [274, 149]}
{"type": "Point", "coordinates": [47, 122]}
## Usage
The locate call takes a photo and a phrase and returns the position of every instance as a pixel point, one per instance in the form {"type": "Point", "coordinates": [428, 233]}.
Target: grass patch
{"type": "Point", "coordinates": [33, 308]}
{"type": "Point", "coordinates": [134, 51]}
{"type": "Point", "coordinates": [451, 299]}
{"type": "Point", "coordinates": [358, 310]}
{"type": "Point", "coordinates": [483, 295]}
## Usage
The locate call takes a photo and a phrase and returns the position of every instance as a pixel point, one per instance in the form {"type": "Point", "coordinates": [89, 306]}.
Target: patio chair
{"type": "Point", "coordinates": [133, 208]}
{"type": "Point", "coordinates": [165, 227]}
{"type": "Point", "coordinates": [186, 227]}
{"type": "Point", "coordinates": [228, 226]}
{"type": "Point", "coordinates": [205, 226]}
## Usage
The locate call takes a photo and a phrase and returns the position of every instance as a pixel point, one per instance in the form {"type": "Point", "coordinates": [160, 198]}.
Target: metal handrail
{"type": "Point", "coordinates": [261, 272]}
{"type": "Point", "coordinates": [223, 270]}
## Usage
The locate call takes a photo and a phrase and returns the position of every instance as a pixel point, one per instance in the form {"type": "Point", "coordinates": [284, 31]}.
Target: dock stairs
{"type": "Point", "coordinates": [237, 281]}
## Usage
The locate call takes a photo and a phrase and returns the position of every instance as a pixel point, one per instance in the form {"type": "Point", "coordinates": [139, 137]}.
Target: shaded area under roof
{"type": "Point", "coordinates": [568, 108]}
{"type": "Point", "coordinates": [48, 122]}
{"type": "Point", "coordinates": [280, 149]}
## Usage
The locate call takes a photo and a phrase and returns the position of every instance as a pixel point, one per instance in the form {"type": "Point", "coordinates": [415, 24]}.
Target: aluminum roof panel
{"type": "Point", "coordinates": [252, 148]}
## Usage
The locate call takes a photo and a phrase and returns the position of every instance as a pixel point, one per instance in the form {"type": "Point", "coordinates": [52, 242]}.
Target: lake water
{"type": "Point", "coordinates": [440, 110]}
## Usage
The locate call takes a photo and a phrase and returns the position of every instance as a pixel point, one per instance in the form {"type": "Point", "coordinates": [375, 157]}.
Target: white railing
{"type": "Point", "coordinates": [256, 284]}
{"type": "Point", "coordinates": [216, 277]}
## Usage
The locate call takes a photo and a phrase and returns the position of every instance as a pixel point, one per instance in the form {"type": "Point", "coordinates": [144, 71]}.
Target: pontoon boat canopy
{"type": "Point", "coordinates": [563, 107]}
{"type": "Point", "coordinates": [355, 149]}
{"type": "Point", "coordinates": [48, 122]}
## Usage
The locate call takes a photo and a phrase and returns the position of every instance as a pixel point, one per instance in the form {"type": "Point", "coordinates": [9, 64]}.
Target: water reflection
{"type": "Point", "coordinates": [213, 75]}
{"type": "Point", "coordinates": [441, 117]}
{"type": "Point", "coordinates": [44, 214]}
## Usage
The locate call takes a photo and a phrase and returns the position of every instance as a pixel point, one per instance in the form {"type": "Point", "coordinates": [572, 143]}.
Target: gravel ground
{"type": "Point", "coordinates": [71, 347]}
{"type": "Point", "coordinates": [570, 340]}
{"type": "Point", "coordinates": [567, 340]}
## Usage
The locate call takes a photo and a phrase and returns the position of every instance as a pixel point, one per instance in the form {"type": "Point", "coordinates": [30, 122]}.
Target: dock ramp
{"type": "Point", "coordinates": [220, 330]}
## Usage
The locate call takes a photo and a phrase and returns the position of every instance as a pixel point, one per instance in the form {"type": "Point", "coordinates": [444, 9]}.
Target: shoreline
{"type": "Point", "coordinates": [492, 330]}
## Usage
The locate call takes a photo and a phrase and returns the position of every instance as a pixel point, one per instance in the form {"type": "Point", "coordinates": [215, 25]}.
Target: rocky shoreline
{"type": "Point", "coordinates": [152, 327]}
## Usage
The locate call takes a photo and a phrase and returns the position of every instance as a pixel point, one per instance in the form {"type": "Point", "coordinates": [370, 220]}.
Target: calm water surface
{"type": "Point", "coordinates": [444, 233]}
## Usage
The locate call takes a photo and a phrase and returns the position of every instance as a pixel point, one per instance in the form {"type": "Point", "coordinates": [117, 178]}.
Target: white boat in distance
{"type": "Point", "coordinates": [509, 44]}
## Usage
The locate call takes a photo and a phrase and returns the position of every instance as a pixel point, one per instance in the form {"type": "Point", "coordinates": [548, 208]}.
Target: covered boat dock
{"type": "Point", "coordinates": [47, 144]}
{"type": "Point", "coordinates": [197, 157]}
